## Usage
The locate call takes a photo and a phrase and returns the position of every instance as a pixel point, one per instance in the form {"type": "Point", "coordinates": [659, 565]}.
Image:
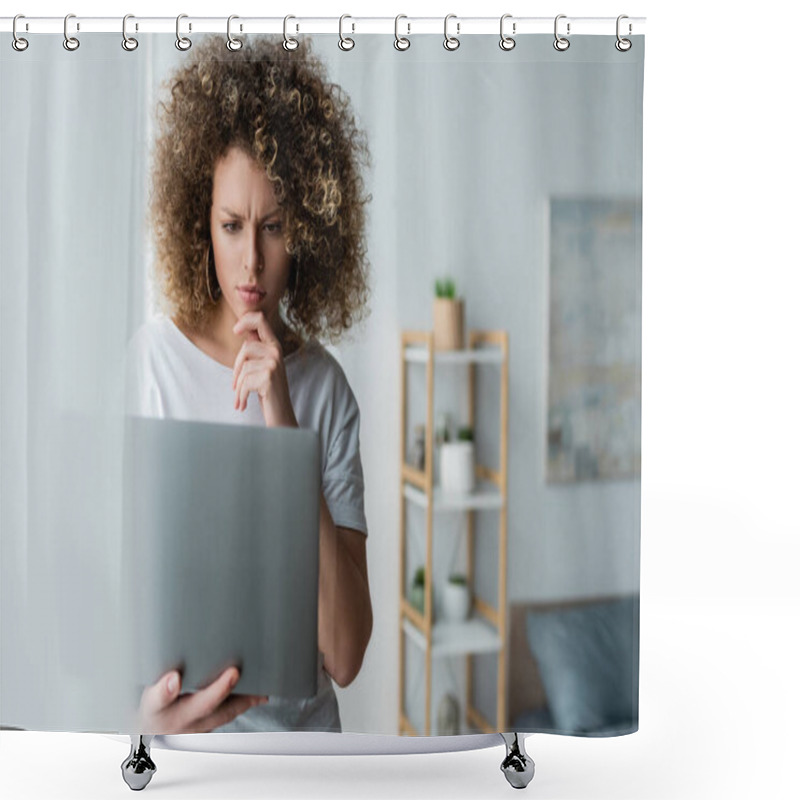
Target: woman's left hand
{"type": "Point", "coordinates": [259, 368]}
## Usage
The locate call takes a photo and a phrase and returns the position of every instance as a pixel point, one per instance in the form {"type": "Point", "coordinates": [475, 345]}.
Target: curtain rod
{"type": "Point", "coordinates": [408, 26]}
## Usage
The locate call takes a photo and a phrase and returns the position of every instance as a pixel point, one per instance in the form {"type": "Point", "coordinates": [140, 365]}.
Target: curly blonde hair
{"type": "Point", "coordinates": [279, 108]}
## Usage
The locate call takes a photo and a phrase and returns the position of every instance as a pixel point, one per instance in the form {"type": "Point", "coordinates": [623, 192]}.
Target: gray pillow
{"type": "Point", "coordinates": [588, 659]}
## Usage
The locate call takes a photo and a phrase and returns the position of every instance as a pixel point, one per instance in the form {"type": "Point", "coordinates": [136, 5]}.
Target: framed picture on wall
{"type": "Point", "coordinates": [594, 396]}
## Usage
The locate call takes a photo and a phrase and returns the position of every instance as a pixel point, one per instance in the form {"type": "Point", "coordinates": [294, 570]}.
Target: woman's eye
{"type": "Point", "coordinates": [270, 227]}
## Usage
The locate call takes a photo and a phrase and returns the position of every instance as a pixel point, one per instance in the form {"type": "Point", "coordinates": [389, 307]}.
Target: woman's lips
{"type": "Point", "coordinates": [249, 296]}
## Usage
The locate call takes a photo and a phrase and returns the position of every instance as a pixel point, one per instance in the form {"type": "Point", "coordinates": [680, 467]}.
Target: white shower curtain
{"type": "Point", "coordinates": [469, 152]}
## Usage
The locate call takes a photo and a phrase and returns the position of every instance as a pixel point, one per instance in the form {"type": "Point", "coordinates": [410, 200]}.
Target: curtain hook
{"type": "Point", "coordinates": [128, 42]}
{"type": "Point", "coordinates": [400, 42]}
{"type": "Point", "coordinates": [346, 43]}
{"type": "Point", "coordinates": [289, 43]}
{"type": "Point", "coordinates": [623, 45]}
{"type": "Point", "coordinates": [561, 43]}
{"type": "Point", "coordinates": [70, 42]}
{"type": "Point", "coordinates": [507, 42]}
{"type": "Point", "coordinates": [18, 43]}
{"type": "Point", "coordinates": [233, 43]}
{"type": "Point", "coordinates": [451, 42]}
{"type": "Point", "coordinates": [182, 42]}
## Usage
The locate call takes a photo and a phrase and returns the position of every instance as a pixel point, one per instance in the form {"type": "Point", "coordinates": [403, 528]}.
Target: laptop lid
{"type": "Point", "coordinates": [221, 553]}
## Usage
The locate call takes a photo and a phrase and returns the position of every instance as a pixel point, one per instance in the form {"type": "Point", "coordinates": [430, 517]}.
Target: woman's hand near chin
{"type": "Point", "coordinates": [259, 368]}
{"type": "Point", "coordinates": [164, 710]}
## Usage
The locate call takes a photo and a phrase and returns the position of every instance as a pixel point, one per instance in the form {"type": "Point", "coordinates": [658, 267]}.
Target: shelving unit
{"type": "Point", "coordinates": [486, 630]}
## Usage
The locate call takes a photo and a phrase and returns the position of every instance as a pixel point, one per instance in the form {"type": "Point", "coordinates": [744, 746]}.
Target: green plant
{"type": "Point", "coordinates": [459, 580]}
{"type": "Point", "coordinates": [417, 592]}
{"type": "Point", "coordinates": [443, 428]}
{"type": "Point", "coordinates": [445, 288]}
{"type": "Point", "coordinates": [465, 434]}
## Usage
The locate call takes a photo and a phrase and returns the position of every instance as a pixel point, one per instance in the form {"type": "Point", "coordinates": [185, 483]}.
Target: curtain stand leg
{"type": "Point", "coordinates": [517, 766]}
{"type": "Point", "coordinates": [138, 768]}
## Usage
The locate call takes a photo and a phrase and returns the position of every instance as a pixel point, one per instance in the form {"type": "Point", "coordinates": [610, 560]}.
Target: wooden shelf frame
{"type": "Point", "coordinates": [488, 627]}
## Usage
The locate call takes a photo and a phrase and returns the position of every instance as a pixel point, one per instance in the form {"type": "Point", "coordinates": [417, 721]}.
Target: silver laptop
{"type": "Point", "coordinates": [221, 553]}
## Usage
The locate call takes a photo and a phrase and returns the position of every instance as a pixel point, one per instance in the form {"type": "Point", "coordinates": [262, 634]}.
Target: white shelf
{"type": "Point", "coordinates": [476, 635]}
{"type": "Point", "coordinates": [480, 633]}
{"type": "Point", "coordinates": [481, 355]}
{"type": "Point", "coordinates": [485, 496]}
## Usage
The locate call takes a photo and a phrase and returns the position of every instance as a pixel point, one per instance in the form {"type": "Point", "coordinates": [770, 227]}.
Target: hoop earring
{"type": "Point", "coordinates": [291, 284]}
{"type": "Point", "coordinates": [209, 260]}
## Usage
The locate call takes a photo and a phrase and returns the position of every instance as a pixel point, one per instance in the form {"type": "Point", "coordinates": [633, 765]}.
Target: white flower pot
{"type": "Point", "coordinates": [456, 602]}
{"type": "Point", "coordinates": [457, 467]}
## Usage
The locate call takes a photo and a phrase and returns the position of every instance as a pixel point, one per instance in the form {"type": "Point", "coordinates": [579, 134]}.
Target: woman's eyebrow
{"type": "Point", "coordinates": [237, 215]}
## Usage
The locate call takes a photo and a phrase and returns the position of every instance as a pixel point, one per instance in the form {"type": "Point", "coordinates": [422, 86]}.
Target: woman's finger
{"type": "Point", "coordinates": [248, 350]}
{"type": "Point", "coordinates": [163, 710]}
{"type": "Point", "coordinates": [249, 381]}
{"type": "Point", "coordinates": [236, 704]}
{"type": "Point", "coordinates": [161, 694]}
{"type": "Point", "coordinates": [256, 321]}
{"type": "Point", "coordinates": [253, 378]}
{"type": "Point", "coordinates": [203, 702]}
{"type": "Point", "coordinates": [240, 395]}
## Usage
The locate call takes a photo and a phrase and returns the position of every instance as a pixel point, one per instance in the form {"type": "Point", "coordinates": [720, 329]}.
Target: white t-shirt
{"type": "Point", "coordinates": [170, 377]}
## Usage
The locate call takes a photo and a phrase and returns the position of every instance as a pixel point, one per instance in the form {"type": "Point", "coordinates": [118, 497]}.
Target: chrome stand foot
{"type": "Point", "coordinates": [138, 768]}
{"type": "Point", "coordinates": [517, 766]}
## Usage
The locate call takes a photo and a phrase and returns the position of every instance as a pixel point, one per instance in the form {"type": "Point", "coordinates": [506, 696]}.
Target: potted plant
{"type": "Point", "coordinates": [456, 599]}
{"type": "Point", "coordinates": [448, 317]}
{"type": "Point", "coordinates": [457, 465]}
{"type": "Point", "coordinates": [448, 717]}
{"type": "Point", "coordinates": [416, 595]}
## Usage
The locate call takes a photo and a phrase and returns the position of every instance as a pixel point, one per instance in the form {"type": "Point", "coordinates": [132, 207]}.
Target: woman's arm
{"type": "Point", "coordinates": [345, 609]}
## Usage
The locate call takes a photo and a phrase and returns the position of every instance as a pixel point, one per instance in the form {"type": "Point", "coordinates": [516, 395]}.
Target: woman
{"type": "Point", "coordinates": [258, 215]}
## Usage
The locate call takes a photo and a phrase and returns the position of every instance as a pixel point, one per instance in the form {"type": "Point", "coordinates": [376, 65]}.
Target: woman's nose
{"type": "Point", "coordinates": [253, 257]}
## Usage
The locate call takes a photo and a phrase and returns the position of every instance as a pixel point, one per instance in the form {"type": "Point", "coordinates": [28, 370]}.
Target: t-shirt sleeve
{"type": "Point", "coordinates": [343, 479]}
{"type": "Point", "coordinates": [142, 397]}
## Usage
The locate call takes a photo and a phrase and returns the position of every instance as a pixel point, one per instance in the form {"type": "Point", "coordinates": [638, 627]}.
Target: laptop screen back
{"type": "Point", "coordinates": [221, 553]}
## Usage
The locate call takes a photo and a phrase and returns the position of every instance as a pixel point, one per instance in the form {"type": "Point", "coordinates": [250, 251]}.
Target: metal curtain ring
{"type": "Point", "coordinates": [345, 43]}
{"type": "Point", "coordinates": [400, 42]}
{"type": "Point", "coordinates": [128, 42]}
{"type": "Point", "coordinates": [233, 44]}
{"type": "Point", "coordinates": [18, 43]}
{"type": "Point", "coordinates": [70, 42]}
{"type": "Point", "coordinates": [289, 43]}
{"type": "Point", "coordinates": [451, 42]}
{"type": "Point", "coordinates": [507, 42]}
{"type": "Point", "coordinates": [561, 43]}
{"type": "Point", "coordinates": [623, 45]}
{"type": "Point", "coordinates": [181, 42]}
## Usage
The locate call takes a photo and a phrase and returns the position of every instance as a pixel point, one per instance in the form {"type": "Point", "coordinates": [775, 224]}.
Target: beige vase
{"type": "Point", "coordinates": [448, 324]}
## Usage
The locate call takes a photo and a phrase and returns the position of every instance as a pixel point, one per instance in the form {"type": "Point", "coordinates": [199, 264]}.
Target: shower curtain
{"type": "Point", "coordinates": [479, 415]}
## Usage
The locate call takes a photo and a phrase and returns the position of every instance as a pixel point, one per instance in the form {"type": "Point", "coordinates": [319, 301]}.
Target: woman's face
{"type": "Point", "coordinates": [247, 236]}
